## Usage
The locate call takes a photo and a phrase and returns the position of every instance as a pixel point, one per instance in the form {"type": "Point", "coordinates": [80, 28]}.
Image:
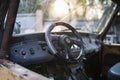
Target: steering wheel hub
{"type": "Point", "coordinates": [67, 40]}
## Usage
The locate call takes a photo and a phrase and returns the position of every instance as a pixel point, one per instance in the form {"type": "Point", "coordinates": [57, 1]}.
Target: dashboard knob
{"type": "Point", "coordinates": [23, 52]}
{"type": "Point", "coordinates": [31, 51]}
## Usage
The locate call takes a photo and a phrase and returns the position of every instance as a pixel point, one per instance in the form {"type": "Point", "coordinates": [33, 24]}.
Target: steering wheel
{"type": "Point", "coordinates": [68, 44]}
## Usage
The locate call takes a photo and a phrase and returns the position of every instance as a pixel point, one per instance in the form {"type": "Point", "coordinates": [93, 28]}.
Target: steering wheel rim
{"type": "Point", "coordinates": [49, 39]}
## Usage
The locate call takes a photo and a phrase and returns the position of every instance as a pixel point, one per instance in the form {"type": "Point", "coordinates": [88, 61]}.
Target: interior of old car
{"type": "Point", "coordinates": [84, 53]}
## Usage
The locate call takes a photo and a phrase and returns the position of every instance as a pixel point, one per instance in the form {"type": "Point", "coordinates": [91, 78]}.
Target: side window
{"type": "Point", "coordinates": [113, 35]}
{"type": "Point", "coordinates": [118, 28]}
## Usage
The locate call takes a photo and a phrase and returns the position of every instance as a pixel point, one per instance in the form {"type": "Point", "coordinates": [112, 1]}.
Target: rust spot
{"type": "Point", "coordinates": [6, 74]}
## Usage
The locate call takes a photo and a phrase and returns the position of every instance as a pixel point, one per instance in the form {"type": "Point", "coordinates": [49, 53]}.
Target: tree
{"type": "Point", "coordinates": [77, 10]}
{"type": "Point", "coordinates": [29, 6]}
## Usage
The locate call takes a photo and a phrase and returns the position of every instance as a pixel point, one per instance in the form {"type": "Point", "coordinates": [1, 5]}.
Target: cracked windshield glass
{"type": "Point", "coordinates": [36, 15]}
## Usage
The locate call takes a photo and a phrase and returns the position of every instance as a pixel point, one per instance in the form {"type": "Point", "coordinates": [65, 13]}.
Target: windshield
{"type": "Point", "coordinates": [84, 15]}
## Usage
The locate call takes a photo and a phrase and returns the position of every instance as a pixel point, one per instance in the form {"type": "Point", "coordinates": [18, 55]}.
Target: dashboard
{"type": "Point", "coordinates": [32, 48]}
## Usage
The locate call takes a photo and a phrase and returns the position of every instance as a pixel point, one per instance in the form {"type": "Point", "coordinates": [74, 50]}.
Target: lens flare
{"type": "Point", "coordinates": [60, 8]}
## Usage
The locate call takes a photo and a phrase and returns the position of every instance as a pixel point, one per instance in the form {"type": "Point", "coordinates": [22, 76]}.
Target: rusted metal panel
{"type": "Point", "coordinates": [18, 71]}
{"type": "Point", "coordinates": [6, 74]}
{"type": "Point", "coordinates": [11, 16]}
{"type": "Point", "coordinates": [3, 11]}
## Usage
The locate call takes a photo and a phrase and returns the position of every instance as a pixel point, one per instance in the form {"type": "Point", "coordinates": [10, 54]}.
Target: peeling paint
{"type": "Point", "coordinates": [6, 74]}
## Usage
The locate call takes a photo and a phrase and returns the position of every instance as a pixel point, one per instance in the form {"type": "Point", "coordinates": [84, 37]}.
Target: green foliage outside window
{"type": "Point", "coordinates": [29, 6]}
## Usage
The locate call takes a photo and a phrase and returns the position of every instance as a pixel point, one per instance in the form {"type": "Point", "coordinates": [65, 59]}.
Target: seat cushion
{"type": "Point", "coordinates": [114, 72]}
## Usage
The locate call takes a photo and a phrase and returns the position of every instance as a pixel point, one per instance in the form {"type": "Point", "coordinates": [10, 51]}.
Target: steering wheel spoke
{"type": "Point", "coordinates": [76, 41]}
{"type": "Point", "coordinates": [67, 53]}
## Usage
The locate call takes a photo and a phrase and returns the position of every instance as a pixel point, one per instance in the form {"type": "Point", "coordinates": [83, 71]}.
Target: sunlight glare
{"type": "Point", "coordinates": [60, 8]}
